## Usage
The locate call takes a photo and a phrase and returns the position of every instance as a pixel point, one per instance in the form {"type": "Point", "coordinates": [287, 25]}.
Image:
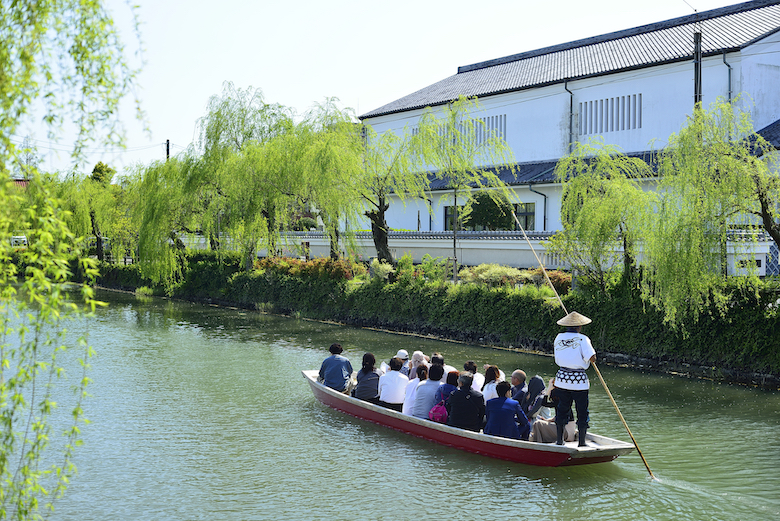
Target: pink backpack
{"type": "Point", "coordinates": [438, 413]}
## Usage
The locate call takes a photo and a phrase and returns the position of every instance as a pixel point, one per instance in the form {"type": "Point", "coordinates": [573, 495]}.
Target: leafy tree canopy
{"type": "Point", "coordinates": [68, 55]}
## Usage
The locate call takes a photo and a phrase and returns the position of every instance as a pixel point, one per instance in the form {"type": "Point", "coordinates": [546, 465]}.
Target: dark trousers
{"type": "Point", "coordinates": [563, 399]}
{"type": "Point", "coordinates": [394, 406]}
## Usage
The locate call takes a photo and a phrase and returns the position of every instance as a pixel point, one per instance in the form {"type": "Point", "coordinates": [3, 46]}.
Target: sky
{"type": "Point", "coordinates": [300, 52]}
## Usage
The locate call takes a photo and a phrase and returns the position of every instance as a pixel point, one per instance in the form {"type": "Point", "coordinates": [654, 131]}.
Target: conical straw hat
{"type": "Point", "coordinates": [574, 319]}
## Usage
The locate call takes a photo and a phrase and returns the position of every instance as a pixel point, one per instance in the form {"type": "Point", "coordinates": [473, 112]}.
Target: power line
{"type": "Point", "coordinates": [51, 145]}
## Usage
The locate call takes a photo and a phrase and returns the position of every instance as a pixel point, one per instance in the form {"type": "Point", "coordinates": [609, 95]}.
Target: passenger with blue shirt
{"type": "Point", "coordinates": [336, 371]}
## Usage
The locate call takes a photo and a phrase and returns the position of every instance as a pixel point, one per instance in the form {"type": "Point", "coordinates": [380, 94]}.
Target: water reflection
{"type": "Point", "coordinates": [201, 413]}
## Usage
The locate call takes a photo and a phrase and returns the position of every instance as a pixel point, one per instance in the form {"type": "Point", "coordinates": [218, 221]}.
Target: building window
{"type": "Point", "coordinates": [491, 126]}
{"type": "Point", "coordinates": [449, 217]}
{"type": "Point", "coordinates": [615, 114]}
{"type": "Point", "coordinates": [526, 214]}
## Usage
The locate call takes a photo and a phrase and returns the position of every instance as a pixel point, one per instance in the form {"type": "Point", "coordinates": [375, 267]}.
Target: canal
{"type": "Point", "coordinates": [201, 412]}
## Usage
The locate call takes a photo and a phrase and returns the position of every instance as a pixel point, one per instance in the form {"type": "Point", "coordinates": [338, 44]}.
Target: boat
{"type": "Point", "coordinates": [599, 449]}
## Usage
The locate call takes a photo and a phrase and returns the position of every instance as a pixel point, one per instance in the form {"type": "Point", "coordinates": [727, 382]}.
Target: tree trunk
{"type": "Point", "coordinates": [628, 261]}
{"type": "Point", "coordinates": [251, 255]}
{"type": "Point", "coordinates": [455, 223]}
{"type": "Point", "coordinates": [98, 236]}
{"type": "Point", "coordinates": [177, 242]}
{"type": "Point", "coordinates": [334, 245]}
{"type": "Point", "coordinates": [379, 232]}
{"type": "Point", "coordinates": [770, 225]}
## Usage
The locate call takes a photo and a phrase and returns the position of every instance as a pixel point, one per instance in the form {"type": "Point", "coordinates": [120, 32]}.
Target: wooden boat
{"type": "Point", "coordinates": [599, 448]}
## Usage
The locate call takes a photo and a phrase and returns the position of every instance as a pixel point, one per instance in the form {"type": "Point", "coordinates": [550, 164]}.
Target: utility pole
{"type": "Point", "coordinates": [697, 68]}
{"type": "Point", "coordinates": [167, 149]}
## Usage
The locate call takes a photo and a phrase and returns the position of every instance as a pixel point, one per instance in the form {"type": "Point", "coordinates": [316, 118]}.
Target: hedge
{"type": "Point", "coordinates": [746, 338]}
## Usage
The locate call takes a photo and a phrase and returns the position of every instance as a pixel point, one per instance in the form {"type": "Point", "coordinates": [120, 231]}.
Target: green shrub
{"type": "Point", "coordinates": [494, 275]}
{"type": "Point", "coordinates": [381, 270]}
{"type": "Point", "coordinates": [342, 269]}
{"type": "Point", "coordinates": [561, 280]}
{"type": "Point", "coordinates": [496, 308]}
{"type": "Point", "coordinates": [434, 269]}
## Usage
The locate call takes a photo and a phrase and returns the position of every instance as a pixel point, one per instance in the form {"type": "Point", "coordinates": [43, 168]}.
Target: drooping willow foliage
{"type": "Point", "coordinates": [687, 225]}
{"type": "Point", "coordinates": [712, 174]}
{"type": "Point", "coordinates": [603, 211]}
{"type": "Point", "coordinates": [42, 373]}
{"type": "Point", "coordinates": [469, 156]}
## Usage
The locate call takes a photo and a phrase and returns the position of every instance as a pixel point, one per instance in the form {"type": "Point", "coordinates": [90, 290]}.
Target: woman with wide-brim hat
{"type": "Point", "coordinates": [573, 354]}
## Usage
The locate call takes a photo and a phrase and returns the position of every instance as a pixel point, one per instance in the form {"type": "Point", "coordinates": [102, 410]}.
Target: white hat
{"type": "Point", "coordinates": [402, 354]}
{"type": "Point", "coordinates": [574, 319]}
{"type": "Point", "coordinates": [418, 356]}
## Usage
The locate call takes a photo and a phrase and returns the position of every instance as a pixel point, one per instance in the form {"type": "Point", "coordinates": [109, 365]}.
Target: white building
{"type": "Point", "coordinates": [631, 88]}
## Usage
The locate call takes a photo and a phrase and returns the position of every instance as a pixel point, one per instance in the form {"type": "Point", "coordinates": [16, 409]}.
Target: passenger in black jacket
{"type": "Point", "coordinates": [466, 407]}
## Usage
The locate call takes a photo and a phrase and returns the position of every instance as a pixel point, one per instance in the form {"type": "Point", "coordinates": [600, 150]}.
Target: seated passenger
{"type": "Point", "coordinates": [438, 359]}
{"type": "Point", "coordinates": [466, 407]}
{"type": "Point", "coordinates": [534, 399]}
{"type": "Point", "coordinates": [445, 389]}
{"type": "Point", "coordinates": [418, 359]}
{"type": "Point", "coordinates": [505, 418]}
{"type": "Point", "coordinates": [492, 377]}
{"type": "Point", "coordinates": [336, 371]}
{"type": "Point", "coordinates": [519, 387]}
{"type": "Point", "coordinates": [426, 393]}
{"type": "Point", "coordinates": [404, 356]}
{"type": "Point", "coordinates": [392, 386]}
{"type": "Point", "coordinates": [421, 375]}
{"type": "Point", "coordinates": [501, 375]}
{"type": "Point", "coordinates": [545, 431]}
{"type": "Point", "coordinates": [368, 380]}
{"type": "Point", "coordinates": [478, 379]}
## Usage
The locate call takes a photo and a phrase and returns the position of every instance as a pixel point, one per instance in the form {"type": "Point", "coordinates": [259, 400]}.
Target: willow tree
{"type": "Point", "coordinates": [264, 185]}
{"type": "Point", "coordinates": [164, 211]}
{"type": "Point", "coordinates": [64, 57]}
{"type": "Point", "coordinates": [236, 119]}
{"type": "Point", "coordinates": [67, 56]}
{"type": "Point", "coordinates": [40, 368]}
{"type": "Point", "coordinates": [92, 207]}
{"type": "Point", "coordinates": [334, 170]}
{"type": "Point", "coordinates": [392, 166]}
{"type": "Point", "coordinates": [465, 153]}
{"type": "Point", "coordinates": [603, 212]}
{"type": "Point", "coordinates": [712, 179]}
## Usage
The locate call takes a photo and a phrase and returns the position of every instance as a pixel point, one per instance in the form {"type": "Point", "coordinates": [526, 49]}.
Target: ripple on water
{"type": "Point", "coordinates": [201, 413]}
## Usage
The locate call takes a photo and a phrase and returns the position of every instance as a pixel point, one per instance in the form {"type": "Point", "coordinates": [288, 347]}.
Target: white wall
{"type": "Point", "coordinates": [759, 79]}
{"type": "Point", "coordinates": [538, 119]}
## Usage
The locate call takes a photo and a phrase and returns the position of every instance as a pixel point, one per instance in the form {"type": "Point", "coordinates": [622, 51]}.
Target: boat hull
{"type": "Point", "coordinates": [600, 449]}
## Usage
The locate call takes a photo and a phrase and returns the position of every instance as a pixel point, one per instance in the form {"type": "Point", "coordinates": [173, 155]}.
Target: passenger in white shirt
{"type": "Point", "coordinates": [421, 375]}
{"type": "Point", "coordinates": [492, 377]}
{"type": "Point", "coordinates": [479, 379]}
{"type": "Point", "coordinates": [392, 386]}
{"type": "Point", "coordinates": [437, 358]}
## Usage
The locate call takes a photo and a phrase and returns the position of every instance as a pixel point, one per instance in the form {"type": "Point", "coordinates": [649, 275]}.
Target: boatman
{"type": "Point", "coordinates": [336, 371]}
{"type": "Point", "coordinates": [573, 353]}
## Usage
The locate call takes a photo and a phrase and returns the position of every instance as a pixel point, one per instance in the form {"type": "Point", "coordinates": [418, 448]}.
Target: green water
{"type": "Point", "coordinates": [201, 413]}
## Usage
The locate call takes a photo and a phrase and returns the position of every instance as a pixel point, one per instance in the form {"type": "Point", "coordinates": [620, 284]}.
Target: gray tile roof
{"type": "Point", "coordinates": [771, 133]}
{"type": "Point", "coordinates": [534, 172]}
{"type": "Point", "coordinates": [726, 29]}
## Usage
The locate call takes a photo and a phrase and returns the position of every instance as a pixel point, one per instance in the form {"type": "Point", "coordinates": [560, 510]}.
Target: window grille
{"type": "Point", "coordinates": [616, 114]}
